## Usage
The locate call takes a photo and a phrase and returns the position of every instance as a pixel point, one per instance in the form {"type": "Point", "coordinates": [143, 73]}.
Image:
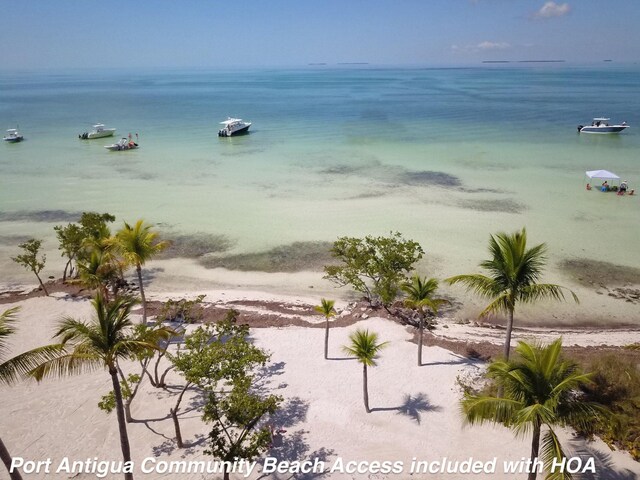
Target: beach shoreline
{"type": "Point", "coordinates": [414, 408]}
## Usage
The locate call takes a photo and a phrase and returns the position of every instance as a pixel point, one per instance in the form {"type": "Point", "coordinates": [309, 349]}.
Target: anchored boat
{"type": "Point", "coordinates": [122, 144]}
{"type": "Point", "coordinates": [13, 136]}
{"type": "Point", "coordinates": [98, 131]}
{"type": "Point", "coordinates": [233, 126]}
{"type": "Point", "coordinates": [601, 125]}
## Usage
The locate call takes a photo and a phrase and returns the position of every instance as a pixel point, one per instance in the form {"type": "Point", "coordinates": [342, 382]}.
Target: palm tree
{"type": "Point", "coordinates": [326, 309]}
{"type": "Point", "coordinates": [540, 390]}
{"type": "Point", "coordinates": [17, 367]}
{"type": "Point", "coordinates": [100, 343]}
{"type": "Point", "coordinates": [420, 296]}
{"type": "Point", "coordinates": [365, 347]}
{"type": "Point", "coordinates": [138, 244]}
{"type": "Point", "coordinates": [513, 274]}
{"type": "Point", "coordinates": [99, 270]}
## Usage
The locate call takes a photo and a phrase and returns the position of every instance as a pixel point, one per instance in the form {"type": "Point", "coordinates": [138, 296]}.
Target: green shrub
{"type": "Point", "coordinates": [616, 385]}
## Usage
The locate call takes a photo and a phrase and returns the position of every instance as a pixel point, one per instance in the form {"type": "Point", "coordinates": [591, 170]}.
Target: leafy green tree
{"type": "Point", "coordinates": [29, 259]}
{"type": "Point", "coordinates": [100, 343]}
{"type": "Point", "coordinates": [374, 266]}
{"type": "Point", "coordinates": [78, 241]}
{"type": "Point", "coordinates": [513, 277]}
{"type": "Point", "coordinates": [540, 391]}
{"type": "Point", "coordinates": [235, 417]}
{"type": "Point", "coordinates": [365, 348]}
{"type": "Point", "coordinates": [137, 245]}
{"type": "Point", "coordinates": [326, 308]}
{"type": "Point", "coordinates": [94, 226]}
{"type": "Point", "coordinates": [71, 240]}
{"type": "Point", "coordinates": [214, 359]}
{"type": "Point", "coordinates": [420, 292]}
{"type": "Point", "coordinates": [130, 384]}
{"type": "Point", "coordinates": [15, 368]}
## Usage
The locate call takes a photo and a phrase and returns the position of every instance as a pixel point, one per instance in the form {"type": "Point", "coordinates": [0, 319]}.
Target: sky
{"type": "Point", "coordinates": [59, 34]}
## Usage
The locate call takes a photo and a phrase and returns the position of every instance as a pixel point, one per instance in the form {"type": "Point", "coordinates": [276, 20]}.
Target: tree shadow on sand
{"type": "Point", "coordinates": [192, 409]}
{"type": "Point", "coordinates": [169, 446]}
{"type": "Point", "coordinates": [266, 375]}
{"type": "Point", "coordinates": [458, 360]}
{"type": "Point", "coordinates": [293, 446]}
{"type": "Point", "coordinates": [412, 406]}
{"type": "Point", "coordinates": [604, 465]}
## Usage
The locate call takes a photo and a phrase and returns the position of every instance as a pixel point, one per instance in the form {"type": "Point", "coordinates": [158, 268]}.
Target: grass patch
{"type": "Point", "coordinates": [504, 206]}
{"type": "Point", "coordinates": [589, 273]}
{"type": "Point", "coordinates": [429, 177]}
{"type": "Point", "coordinates": [195, 245]}
{"type": "Point", "coordinates": [616, 385]}
{"type": "Point", "coordinates": [13, 240]}
{"type": "Point", "coordinates": [295, 257]}
{"type": "Point", "coordinates": [47, 216]}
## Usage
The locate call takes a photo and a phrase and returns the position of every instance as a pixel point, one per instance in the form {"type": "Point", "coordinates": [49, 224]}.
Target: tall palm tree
{"type": "Point", "coordinates": [539, 391]}
{"type": "Point", "coordinates": [138, 244]}
{"type": "Point", "coordinates": [15, 368]}
{"type": "Point", "coordinates": [514, 271]}
{"type": "Point", "coordinates": [326, 309]}
{"type": "Point", "coordinates": [365, 347]}
{"type": "Point", "coordinates": [420, 293]}
{"type": "Point", "coordinates": [100, 343]}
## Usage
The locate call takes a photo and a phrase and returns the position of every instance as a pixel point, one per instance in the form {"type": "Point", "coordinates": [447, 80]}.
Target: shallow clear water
{"type": "Point", "coordinates": [332, 152]}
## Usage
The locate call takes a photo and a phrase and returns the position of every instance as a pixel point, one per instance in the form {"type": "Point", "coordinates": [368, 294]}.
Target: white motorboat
{"type": "Point", "coordinates": [122, 144]}
{"type": "Point", "coordinates": [98, 131]}
{"type": "Point", "coordinates": [13, 136]}
{"type": "Point", "coordinates": [233, 126]}
{"type": "Point", "coordinates": [601, 125]}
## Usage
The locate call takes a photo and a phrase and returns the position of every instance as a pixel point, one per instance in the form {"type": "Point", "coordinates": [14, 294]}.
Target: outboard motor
{"type": "Point", "coordinates": [580, 128]}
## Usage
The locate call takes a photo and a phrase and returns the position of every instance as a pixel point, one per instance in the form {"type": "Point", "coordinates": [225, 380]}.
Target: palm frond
{"type": "Point", "coordinates": [541, 291]}
{"type": "Point", "coordinates": [480, 284]}
{"type": "Point", "coordinates": [18, 367]}
{"type": "Point", "coordinates": [500, 304]}
{"type": "Point", "coordinates": [482, 409]}
{"type": "Point", "coordinates": [7, 319]}
{"type": "Point", "coordinates": [551, 449]}
{"type": "Point", "coordinates": [364, 347]}
{"type": "Point", "coordinates": [73, 363]}
{"type": "Point", "coordinates": [326, 308]}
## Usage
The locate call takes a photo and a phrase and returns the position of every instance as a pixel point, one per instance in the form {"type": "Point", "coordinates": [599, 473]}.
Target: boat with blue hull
{"type": "Point", "coordinates": [601, 125]}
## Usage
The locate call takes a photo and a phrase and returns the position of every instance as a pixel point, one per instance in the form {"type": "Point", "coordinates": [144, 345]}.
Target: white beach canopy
{"type": "Point", "coordinates": [602, 175]}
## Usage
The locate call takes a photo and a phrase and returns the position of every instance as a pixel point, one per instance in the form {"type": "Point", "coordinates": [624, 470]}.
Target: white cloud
{"type": "Point", "coordinates": [481, 47]}
{"type": "Point", "coordinates": [553, 9]}
{"type": "Point", "coordinates": [493, 45]}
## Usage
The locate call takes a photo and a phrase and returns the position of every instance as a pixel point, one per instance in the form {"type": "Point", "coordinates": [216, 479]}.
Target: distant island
{"type": "Point", "coordinates": [353, 63]}
{"type": "Point", "coordinates": [524, 61]}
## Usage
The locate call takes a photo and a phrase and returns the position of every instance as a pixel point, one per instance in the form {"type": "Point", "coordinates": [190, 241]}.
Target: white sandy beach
{"type": "Point", "coordinates": [415, 413]}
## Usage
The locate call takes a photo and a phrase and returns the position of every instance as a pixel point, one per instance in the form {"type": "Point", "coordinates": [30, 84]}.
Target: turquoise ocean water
{"type": "Point", "coordinates": [445, 156]}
